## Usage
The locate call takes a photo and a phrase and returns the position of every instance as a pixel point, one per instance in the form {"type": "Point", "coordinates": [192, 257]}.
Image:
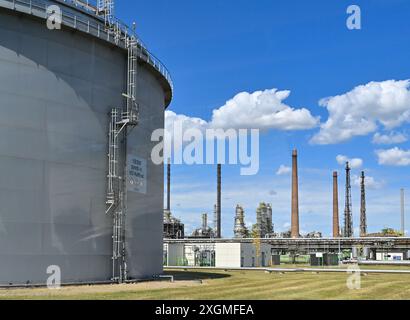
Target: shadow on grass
{"type": "Point", "coordinates": [192, 276]}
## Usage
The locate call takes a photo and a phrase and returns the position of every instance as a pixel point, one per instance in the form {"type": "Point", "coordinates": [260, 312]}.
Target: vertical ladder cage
{"type": "Point", "coordinates": [105, 8]}
{"type": "Point", "coordinates": [120, 120]}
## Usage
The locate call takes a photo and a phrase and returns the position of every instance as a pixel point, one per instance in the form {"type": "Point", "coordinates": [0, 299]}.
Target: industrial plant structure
{"type": "Point", "coordinates": [78, 105]}
{"type": "Point", "coordinates": [173, 227]}
{"type": "Point", "coordinates": [204, 232]}
{"type": "Point", "coordinates": [264, 226]}
{"type": "Point", "coordinates": [240, 229]}
{"type": "Point", "coordinates": [264, 247]}
{"type": "Point", "coordinates": [236, 253]}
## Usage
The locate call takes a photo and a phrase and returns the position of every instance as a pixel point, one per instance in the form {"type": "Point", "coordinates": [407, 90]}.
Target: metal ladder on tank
{"type": "Point", "coordinates": [116, 201]}
{"type": "Point", "coordinates": [132, 109]}
{"type": "Point", "coordinates": [106, 9]}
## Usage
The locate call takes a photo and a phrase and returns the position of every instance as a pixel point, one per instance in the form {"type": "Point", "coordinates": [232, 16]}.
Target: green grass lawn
{"type": "Point", "coordinates": [235, 285]}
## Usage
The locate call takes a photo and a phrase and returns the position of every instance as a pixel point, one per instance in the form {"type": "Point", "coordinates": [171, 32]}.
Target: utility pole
{"type": "Point", "coordinates": [348, 223]}
{"type": "Point", "coordinates": [363, 217]}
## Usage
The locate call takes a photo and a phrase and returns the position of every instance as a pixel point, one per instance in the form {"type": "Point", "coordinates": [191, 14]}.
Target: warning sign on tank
{"type": "Point", "coordinates": [137, 174]}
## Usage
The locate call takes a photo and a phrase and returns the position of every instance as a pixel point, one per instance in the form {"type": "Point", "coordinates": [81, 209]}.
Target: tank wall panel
{"type": "Point", "coordinates": [145, 211]}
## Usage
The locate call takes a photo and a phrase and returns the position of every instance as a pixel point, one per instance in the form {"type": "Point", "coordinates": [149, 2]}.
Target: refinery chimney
{"type": "Point", "coordinates": [336, 227]}
{"type": "Point", "coordinates": [295, 196]}
{"type": "Point", "coordinates": [218, 202]}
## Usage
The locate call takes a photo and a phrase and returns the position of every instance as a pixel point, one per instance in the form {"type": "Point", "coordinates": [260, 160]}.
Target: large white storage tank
{"type": "Point", "coordinates": [57, 88]}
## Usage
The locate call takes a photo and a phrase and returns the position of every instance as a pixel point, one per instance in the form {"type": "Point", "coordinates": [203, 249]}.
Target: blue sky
{"type": "Point", "coordinates": [217, 49]}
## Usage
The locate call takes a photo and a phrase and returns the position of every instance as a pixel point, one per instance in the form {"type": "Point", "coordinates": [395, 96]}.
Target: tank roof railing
{"type": "Point", "coordinates": [95, 26]}
{"type": "Point", "coordinates": [85, 4]}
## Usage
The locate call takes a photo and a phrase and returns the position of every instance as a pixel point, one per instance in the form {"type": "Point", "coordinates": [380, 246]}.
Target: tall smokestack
{"type": "Point", "coordinates": [403, 223]}
{"type": "Point", "coordinates": [363, 217]}
{"type": "Point", "coordinates": [169, 186]}
{"type": "Point", "coordinates": [218, 202]}
{"type": "Point", "coordinates": [336, 226]}
{"type": "Point", "coordinates": [295, 196]}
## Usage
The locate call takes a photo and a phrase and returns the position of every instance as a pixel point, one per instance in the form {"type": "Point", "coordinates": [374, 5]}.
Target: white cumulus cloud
{"type": "Point", "coordinates": [283, 170]}
{"type": "Point", "coordinates": [362, 110]}
{"type": "Point", "coordinates": [391, 138]}
{"type": "Point", "coordinates": [262, 110]}
{"type": "Point", "coordinates": [355, 163]}
{"type": "Point", "coordinates": [258, 110]}
{"type": "Point", "coordinates": [394, 157]}
{"type": "Point", "coordinates": [186, 122]}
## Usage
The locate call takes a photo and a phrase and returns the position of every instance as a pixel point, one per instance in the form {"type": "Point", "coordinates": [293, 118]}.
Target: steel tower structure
{"type": "Point", "coordinates": [348, 223]}
{"type": "Point", "coordinates": [363, 217]}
